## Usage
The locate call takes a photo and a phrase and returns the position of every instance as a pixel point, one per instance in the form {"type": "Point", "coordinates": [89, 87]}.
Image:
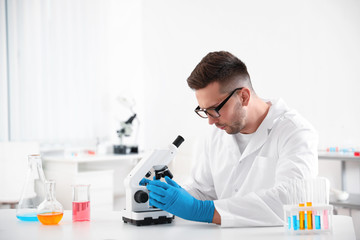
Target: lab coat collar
{"type": "Point", "coordinates": [276, 111]}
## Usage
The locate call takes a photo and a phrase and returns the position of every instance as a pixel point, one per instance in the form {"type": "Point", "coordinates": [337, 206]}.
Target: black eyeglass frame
{"type": "Point", "coordinates": [216, 109]}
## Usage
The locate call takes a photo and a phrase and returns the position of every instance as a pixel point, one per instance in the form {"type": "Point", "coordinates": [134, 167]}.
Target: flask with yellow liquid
{"type": "Point", "coordinates": [50, 211]}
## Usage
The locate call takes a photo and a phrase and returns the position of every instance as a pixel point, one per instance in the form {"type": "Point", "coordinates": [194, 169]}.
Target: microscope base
{"type": "Point", "coordinates": [147, 218]}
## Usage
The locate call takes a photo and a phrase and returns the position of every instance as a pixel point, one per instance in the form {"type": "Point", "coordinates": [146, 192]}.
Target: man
{"type": "Point", "coordinates": [241, 173]}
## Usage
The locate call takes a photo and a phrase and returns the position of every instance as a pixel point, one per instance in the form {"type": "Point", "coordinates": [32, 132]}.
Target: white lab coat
{"type": "Point", "coordinates": [249, 189]}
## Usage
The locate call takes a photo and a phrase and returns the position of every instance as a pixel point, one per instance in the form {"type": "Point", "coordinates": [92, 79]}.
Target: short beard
{"type": "Point", "coordinates": [240, 122]}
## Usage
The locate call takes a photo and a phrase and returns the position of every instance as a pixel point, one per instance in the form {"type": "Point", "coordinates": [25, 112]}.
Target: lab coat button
{"type": "Point", "coordinates": [236, 190]}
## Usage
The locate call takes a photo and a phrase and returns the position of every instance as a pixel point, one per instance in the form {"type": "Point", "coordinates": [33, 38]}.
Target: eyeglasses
{"type": "Point", "coordinates": [214, 112]}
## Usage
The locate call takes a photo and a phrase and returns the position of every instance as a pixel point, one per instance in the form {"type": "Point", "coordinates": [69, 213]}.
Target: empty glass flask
{"type": "Point", "coordinates": [33, 190]}
{"type": "Point", "coordinates": [50, 211]}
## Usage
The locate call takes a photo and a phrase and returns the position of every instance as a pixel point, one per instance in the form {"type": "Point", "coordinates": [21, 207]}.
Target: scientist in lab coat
{"type": "Point", "coordinates": [241, 172]}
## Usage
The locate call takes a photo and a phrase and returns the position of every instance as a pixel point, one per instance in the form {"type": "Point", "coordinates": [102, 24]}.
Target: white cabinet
{"type": "Point", "coordinates": [353, 202]}
{"type": "Point", "coordinates": [105, 174]}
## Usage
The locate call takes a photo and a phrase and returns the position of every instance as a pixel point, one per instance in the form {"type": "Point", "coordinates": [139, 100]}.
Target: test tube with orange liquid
{"type": "Point", "coordinates": [301, 201]}
{"type": "Point", "coordinates": [309, 200]}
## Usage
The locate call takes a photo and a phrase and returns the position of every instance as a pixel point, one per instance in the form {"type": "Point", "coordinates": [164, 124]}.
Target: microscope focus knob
{"type": "Point", "coordinates": [141, 196]}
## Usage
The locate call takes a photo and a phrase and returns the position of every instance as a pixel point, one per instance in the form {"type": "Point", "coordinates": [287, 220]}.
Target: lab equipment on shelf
{"type": "Point", "coordinates": [308, 210]}
{"type": "Point", "coordinates": [32, 192]}
{"type": "Point", "coordinates": [50, 211]}
{"type": "Point", "coordinates": [346, 151]}
{"type": "Point", "coordinates": [126, 131]}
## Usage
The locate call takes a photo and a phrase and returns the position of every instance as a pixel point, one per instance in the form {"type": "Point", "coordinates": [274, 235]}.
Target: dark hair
{"type": "Point", "coordinates": [222, 67]}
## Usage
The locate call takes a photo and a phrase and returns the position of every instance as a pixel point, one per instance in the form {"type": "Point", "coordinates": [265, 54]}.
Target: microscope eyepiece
{"type": "Point", "coordinates": [178, 141]}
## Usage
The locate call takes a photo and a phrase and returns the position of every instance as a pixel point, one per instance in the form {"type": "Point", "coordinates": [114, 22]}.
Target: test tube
{"type": "Point", "coordinates": [326, 189]}
{"type": "Point", "coordinates": [317, 201]}
{"type": "Point", "coordinates": [309, 200]}
{"type": "Point", "coordinates": [301, 197]}
{"type": "Point", "coordinates": [289, 202]}
{"type": "Point", "coordinates": [294, 202]}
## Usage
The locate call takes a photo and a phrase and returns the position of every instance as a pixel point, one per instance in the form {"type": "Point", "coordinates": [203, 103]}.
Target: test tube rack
{"type": "Point", "coordinates": [308, 209]}
{"type": "Point", "coordinates": [305, 220]}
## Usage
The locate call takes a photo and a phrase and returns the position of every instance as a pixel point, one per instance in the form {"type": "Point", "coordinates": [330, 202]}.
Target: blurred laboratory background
{"type": "Point", "coordinates": [78, 78]}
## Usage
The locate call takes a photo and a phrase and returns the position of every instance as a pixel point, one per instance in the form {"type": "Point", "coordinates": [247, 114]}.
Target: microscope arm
{"type": "Point", "coordinates": [156, 159]}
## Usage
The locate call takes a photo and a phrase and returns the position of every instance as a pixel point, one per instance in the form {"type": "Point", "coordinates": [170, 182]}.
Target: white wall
{"type": "Point", "coordinates": [306, 52]}
{"type": "Point", "coordinates": [3, 75]}
{"type": "Point", "coordinates": [68, 63]}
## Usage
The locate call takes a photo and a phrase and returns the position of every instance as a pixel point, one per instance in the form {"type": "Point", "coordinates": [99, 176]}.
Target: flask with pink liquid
{"type": "Point", "coordinates": [81, 202]}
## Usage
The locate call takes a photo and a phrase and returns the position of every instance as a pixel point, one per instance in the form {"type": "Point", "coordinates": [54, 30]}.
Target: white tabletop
{"type": "Point", "coordinates": [92, 158]}
{"type": "Point", "coordinates": [109, 226]}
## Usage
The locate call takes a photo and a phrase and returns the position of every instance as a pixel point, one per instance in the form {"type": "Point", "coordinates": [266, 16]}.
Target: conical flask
{"type": "Point", "coordinates": [32, 192]}
{"type": "Point", "coordinates": [50, 211]}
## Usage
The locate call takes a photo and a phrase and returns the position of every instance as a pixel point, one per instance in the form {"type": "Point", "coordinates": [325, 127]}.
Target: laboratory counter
{"type": "Point", "coordinates": [109, 225]}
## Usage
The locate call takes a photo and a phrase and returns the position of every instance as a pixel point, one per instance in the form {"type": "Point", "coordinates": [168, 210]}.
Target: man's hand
{"type": "Point", "coordinates": [174, 199]}
{"type": "Point", "coordinates": [144, 182]}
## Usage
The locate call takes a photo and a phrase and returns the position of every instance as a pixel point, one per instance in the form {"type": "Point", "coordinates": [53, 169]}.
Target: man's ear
{"type": "Point", "coordinates": [244, 96]}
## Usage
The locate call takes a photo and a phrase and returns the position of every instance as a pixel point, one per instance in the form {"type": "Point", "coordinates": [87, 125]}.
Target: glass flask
{"type": "Point", "coordinates": [81, 202]}
{"type": "Point", "coordinates": [50, 211]}
{"type": "Point", "coordinates": [33, 190]}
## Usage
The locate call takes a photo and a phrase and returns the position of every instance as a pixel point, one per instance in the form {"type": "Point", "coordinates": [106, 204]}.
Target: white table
{"type": "Point", "coordinates": [105, 173]}
{"type": "Point", "coordinates": [353, 202]}
{"type": "Point", "coordinates": [109, 225]}
{"type": "Point", "coordinates": [343, 157]}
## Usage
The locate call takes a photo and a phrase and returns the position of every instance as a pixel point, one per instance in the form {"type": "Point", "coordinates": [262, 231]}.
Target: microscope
{"type": "Point", "coordinates": [138, 211]}
{"type": "Point", "coordinates": [125, 130]}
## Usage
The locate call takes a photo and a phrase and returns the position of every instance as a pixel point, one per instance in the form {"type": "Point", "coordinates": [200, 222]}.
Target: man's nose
{"type": "Point", "coordinates": [212, 120]}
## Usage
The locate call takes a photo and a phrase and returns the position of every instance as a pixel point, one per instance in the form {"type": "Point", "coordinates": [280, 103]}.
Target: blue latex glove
{"type": "Point", "coordinates": [144, 182]}
{"type": "Point", "coordinates": [174, 199]}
